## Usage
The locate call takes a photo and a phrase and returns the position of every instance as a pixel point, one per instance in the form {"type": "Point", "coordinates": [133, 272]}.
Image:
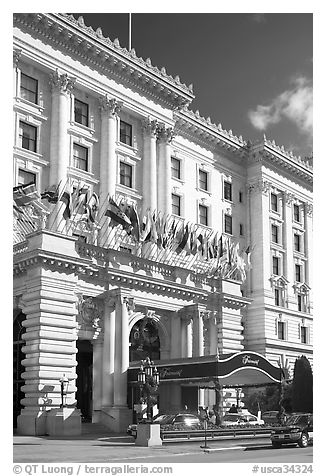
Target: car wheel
{"type": "Point", "coordinates": [276, 445]}
{"type": "Point", "coordinates": [303, 442]}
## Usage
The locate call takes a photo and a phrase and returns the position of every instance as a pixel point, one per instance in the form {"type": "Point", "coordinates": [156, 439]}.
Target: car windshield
{"type": "Point", "coordinates": [297, 419]}
{"type": "Point", "coordinates": [231, 417]}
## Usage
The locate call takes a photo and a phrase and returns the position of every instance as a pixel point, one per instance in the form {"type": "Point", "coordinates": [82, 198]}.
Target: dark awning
{"type": "Point", "coordinates": [240, 369]}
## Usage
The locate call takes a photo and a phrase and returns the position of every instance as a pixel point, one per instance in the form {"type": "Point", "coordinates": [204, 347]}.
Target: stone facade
{"type": "Point", "coordinates": [136, 138]}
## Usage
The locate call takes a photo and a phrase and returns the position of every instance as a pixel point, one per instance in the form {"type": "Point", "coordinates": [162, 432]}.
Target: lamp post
{"type": "Point", "coordinates": [64, 381]}
{"type": "Point", "coordinates": [148, 380]}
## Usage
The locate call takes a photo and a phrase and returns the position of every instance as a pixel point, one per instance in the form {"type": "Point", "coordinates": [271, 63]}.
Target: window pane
{"type": "Point", "coordinates": [81, 112]}
{"type": "Point", "coordinates": [296, 213]}
{"type": "Point", "coordinates": [228, 191]}
{"type": "Point", "coordinates": [25, 177]}
{"type": "Point", "coordinates": [80, 157]}
{"type": "Point", "coordinates": [203, 216]}
{"type": "Point", "coordinates": [275, 233]}
{"type": "Point", "coordinates": [125, 133]}
{"type": "Point", "coordinates": [175, 168]}
{"type": "Point", "coordinates": [277, 297]}
{"type": "Point", "coordinates": [228, 224]}
{"type": "Point", "coordinates": [176, 204]}
{"type": "Point", "coordinates": [126, 174]}
{"type": "Point", "coordinates": [281, 330]}
{"type": "Point", "coordinates": [202, 180]}
{"type": "Point", "coordinates": [298, 273]}
{"type": "Point", "coordinates": [297, 242]}
{"type": "Point", "coordinates": [274, 202]}
{"type": "Point", "coordinates": [28, 88]}
{"type": "Point", "coordinates": [276, 267]}
{"type": "Point", "coordinates": [27, 136]}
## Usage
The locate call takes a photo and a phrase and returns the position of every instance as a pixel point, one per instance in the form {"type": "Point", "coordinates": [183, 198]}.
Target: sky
{"type": "Point", "coordinates": [250, 72]}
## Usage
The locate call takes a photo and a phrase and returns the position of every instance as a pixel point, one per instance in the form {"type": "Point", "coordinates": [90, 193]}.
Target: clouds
{"type": "Point", "coordinates": [294, 104]}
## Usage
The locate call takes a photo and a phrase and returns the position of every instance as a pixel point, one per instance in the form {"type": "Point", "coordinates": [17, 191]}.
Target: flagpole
{"type": "Point", "coordinates": [129, 31]}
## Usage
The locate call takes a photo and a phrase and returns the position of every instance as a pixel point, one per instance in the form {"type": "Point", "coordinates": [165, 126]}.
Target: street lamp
{"type": "Point", "coordinates": [64, 382]}
{"type": "Point", "coordinates": [148, 380]}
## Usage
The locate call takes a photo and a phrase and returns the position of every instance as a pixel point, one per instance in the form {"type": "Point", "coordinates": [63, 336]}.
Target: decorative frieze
{"type": "Point", "coordinates": [62, 82]}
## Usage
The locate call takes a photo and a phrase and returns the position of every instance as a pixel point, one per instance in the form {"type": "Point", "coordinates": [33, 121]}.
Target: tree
{"type": "Point", "coordinates": [302, 386]}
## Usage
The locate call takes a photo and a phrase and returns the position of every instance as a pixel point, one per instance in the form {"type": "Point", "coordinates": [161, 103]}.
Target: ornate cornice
{"type": "Point", "coordinates": [93, 48]}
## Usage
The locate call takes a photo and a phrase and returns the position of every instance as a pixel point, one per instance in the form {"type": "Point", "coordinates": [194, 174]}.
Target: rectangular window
{"type": "Point", "coordinates": [298, 273]}
{"type": "Point", "coordinates": [28, 88]}
{"type": "Point", "coordinates": [126, 174]}
{"type": "Point", "coordinates": [176, 205]}
{"type": "Point", "coordinates": [203, 215]}
{"type": "Point", "coordinates": [277, 295]}
{"type": "Point", "coordinates": [296, 213]}
{"type": "Point", "coordinates": [281, 330]}
{"type": "Point", "coordinates": [125, 133]}
{"type": "Point", "coordinates": [240, 197]}
{"type": "Point", "coordinates": [175, 168]}
{"type": "Point", "coordinates": [275, 234]}
{"type": "Point", "coordinates": [25, 177]}
{"type": "Point", "coordinates": [81, 112]}
{"type": "Point", "coordinates": [304, 335]}
{"type": "Point", "coordinates": [274, 203]}
{"type": "Point", "coordinates": [300, 302]}
{"type": "Point", "coordinates": [228, 224]}
{"type": "Point", "coordinates": [27, 136]}
{"type": "Point", "coordinates": [241, 229]}
{"type": "Point", "coordinates": [202, 179]}
{"type": "Point", "coordinates": [80, 157]}
{"type": "Point", "coordinates": [296, 242]}
{"type": "Point", "coordinates": [276, 265]}
{"type": "Point", "coordinates": [228, 191]}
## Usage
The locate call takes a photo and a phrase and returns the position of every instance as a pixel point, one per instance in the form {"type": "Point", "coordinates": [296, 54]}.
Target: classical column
{"type": "Point", "coordinates": [62, 86]}
{"type": "Point", "coordinates": [176, 340]}
{"type": "Point", "coordinates": [50, 350]}
{"type": "Point", "coordinates": [108, 352]}
{"type": "Point", "coordinates": [150, 128]}
{"type": "Point", "coordinates": [97, 390]}
{"type": "Point", "coordinates": [308, 211]}
{"type": "Point", "coordinates": [186, 332]}
{"type": "Point", "coordinates": [164, 202]}
{"type": "Point", "coordinates": [288, 236]}
{"type": "Point", "coordinates": [213, 343]}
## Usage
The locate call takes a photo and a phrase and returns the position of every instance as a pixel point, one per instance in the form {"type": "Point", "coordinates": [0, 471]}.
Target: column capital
{"type": "Point", "coordinates": [289, 198]}
{"type": "Point", "coordinates": [150, 127]}
{"type": "Point", "coordinates": [120, 295]}
{"type": "Point", "coordinates": [308, 209]}
{"type": "Point", "coordinates": [110, 105]}
{"type": "Point", "coordinates": [165, 134]}
{"type": "Point", "coordinates": [62, 82]}
{"type": "Point", "coordinates": [16, 56]}
{"type": "Point", "coordinates": [261, 186]}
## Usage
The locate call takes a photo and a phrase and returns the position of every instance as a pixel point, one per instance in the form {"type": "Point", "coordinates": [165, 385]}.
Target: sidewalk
{"type": "Point", "coordinates": [97, 446]}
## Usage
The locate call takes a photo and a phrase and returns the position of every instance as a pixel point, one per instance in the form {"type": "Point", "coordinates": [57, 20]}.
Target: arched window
{"type": "Point", "coordinates": [144, 341]}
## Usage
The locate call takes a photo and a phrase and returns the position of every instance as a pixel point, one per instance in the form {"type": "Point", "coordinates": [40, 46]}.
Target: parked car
{"type": "Point", "coordinates": [298, 429]}
{"type": "Point", "coordinates": [271, 417]}
{"type": "Point", "coordinates": [231, 419]}
{"type": "Point", "coordinates": [184, 419]}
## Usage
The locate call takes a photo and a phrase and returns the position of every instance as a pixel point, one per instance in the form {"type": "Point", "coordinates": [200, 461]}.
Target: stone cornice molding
{"type": "Point", "coordinates": [233, 302]}
{"type": "Point", "coordinates": [16, 56]}
{"type": "Point", "coordinates": [192, 125]}
{"type": "Point", "coordinates": [93, 48]}
{"type": "Point", "coordinates": [301, 288]}
{"type": "Point", "coordinates": [62, 82]}
{"type": "Point", "coordinates": [110, 105]}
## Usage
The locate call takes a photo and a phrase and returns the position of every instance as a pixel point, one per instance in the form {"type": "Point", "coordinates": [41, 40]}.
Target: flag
{"type": "Point", "coordinates": [184, 239]}
{"type": "Point", "coordinates": [146, 227]}
{"type": "Point", "coordinates": [66, 198]}
{"type": "Point", "coordinates": [153, 236]}
{"type": "Point", "coordinates": [79, 198]}
{"type": "Point", "coordinates": [171, 233]}
{"type": "Point", "coordinates": [161, 228]}
{"type": "Point", "coordinates": [131, 213]}
{"type": "Point", "coordinates": [193, 242]}
{"type": "Point", "coordinates": [51, 194]}
{"type": "Point", "coordinates": [92, 207]}
{"type": "Point", "coordinates": [117, 216]}
{"type": "Point", "coordinates": [25, 194]}
{"type": "Point", "coordinates": [203, 245]}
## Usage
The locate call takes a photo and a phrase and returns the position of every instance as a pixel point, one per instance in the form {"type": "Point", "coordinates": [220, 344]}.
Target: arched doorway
{"type": "Point", "coordinates": [18, 369]}
{"type": "Point", "coordinates": [144, 340]}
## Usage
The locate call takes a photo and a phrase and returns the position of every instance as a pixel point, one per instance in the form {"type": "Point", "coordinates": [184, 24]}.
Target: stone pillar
{"type": "Point", "coordinates": [176, 340]}
{"type": "Point", "coordinates": [213, 347]}
{"type": "Point", "coordinates": [62, 86]}
{"type": "Point", "coordinates": [97, 379]}
{"type": "Point", "coordinates": [288, 237]}
{"type": "Point", "coordinates": [50, 353]}
{"type": "Point", "coordinates": [308, 240]}
{"type": "Point", "coordinates": [108, 353]}
{"type": "Point", "coordinates": [164, 201]}
{"type": "Point", "coordinates": [149, 165]}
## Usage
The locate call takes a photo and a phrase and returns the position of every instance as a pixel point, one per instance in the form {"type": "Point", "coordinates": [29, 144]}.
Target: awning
{"type": "Point", "coordinates": [240, 369]}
